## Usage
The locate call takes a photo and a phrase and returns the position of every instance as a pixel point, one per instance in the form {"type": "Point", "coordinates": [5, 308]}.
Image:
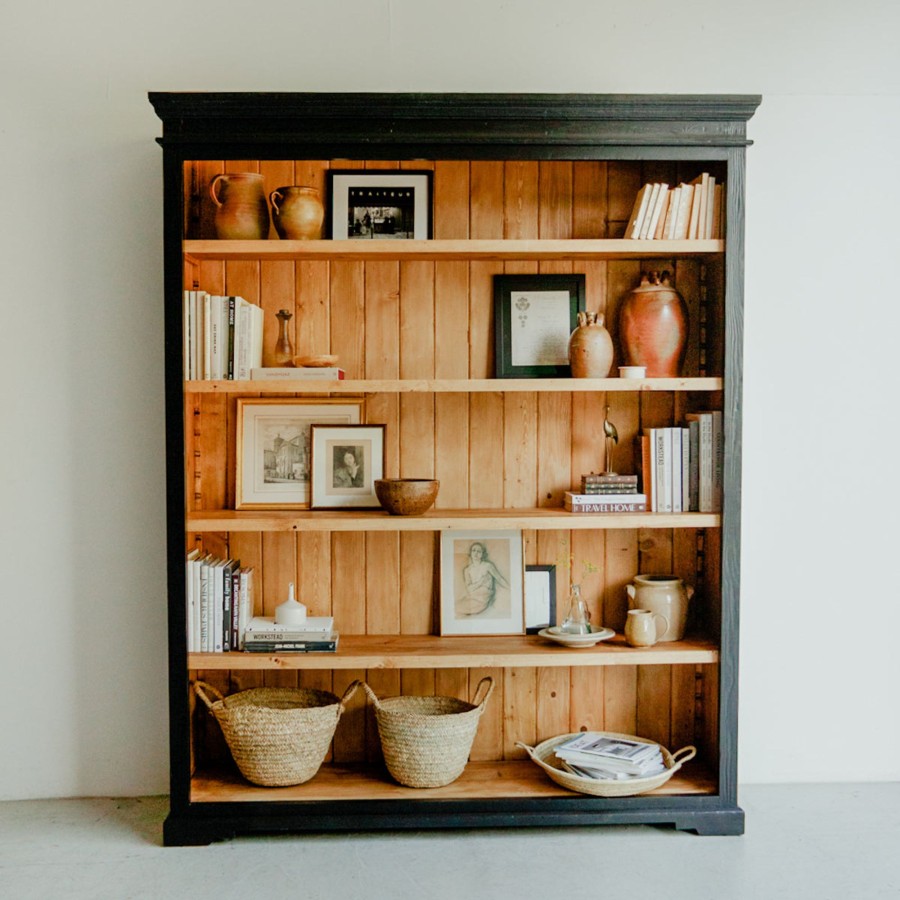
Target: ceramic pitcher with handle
{"type": "Point", "coordinates": [663, 595]}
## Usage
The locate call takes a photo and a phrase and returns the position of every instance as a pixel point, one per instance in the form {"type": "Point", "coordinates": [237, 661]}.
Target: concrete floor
{"type": "Point", "coordinates": [810, 841]}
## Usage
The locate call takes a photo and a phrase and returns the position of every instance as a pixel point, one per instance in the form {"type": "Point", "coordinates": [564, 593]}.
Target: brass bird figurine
{"type": "Point", "coordinates": [611, 438]}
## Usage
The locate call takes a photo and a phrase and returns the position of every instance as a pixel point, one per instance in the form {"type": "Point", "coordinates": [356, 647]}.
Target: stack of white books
{"type": "Point", "coordinates": [262, 635]}
{"type": "Point", "coordinates": [596, 755]}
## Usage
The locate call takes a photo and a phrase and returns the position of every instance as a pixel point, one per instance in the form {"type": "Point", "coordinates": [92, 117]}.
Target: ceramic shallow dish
{"type": "Point", "coordinates": [576, 640]}
{"type": "Point", "coordinates": [544, 756]}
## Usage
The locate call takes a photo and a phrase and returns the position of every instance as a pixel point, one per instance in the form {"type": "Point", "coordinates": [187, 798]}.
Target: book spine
{"type": "Point", "coordinates": [685, 469]}
{"type": "Point", "coordinates": [618, 507]}
{"type": "Point", "coordinates": [662, 471]}
{"type": "Point", "coordinates": [694, 470]}
{"type": "Point", "coordinates": [674, 436]}
{"type": "Point", "coordinates": [290, 646]}
{"type": "Point", "coordinates": [718, 467]}
{"type": "Point", "coordinates": [229, 355]}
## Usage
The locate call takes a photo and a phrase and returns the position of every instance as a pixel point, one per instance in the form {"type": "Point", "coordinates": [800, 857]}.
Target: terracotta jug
{"type": "Point", "coordinates": [297, 213]}
{"type": "Point", "coordinates": [590, 347]}
{"type": "Point", "coordinates": [662, 595]}
{"type": "Point", "coordinates": [653, 327]}
{"type": "Point", "coordinates": [241, 210]}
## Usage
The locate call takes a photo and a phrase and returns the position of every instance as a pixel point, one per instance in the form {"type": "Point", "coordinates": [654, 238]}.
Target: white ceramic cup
{"type": "Point", "coordinates": [632, 371]}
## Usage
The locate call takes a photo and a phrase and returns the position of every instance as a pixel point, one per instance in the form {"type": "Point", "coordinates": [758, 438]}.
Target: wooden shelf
{"type": "Point", "coordinates": [229, 520]}
{"type": "Point", "coordinates": [513, 779]}
{"type": "Point", "coordinates": [379, 651]}
{"type": "Point", "coordinates": [449, 250]}
{"type": "Point", "coordinates": [448, 385]}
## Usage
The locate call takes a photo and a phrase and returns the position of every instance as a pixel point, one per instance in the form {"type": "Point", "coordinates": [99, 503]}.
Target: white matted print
{"type": "Point", "coordinates": [273, 449]}
{"type": "Point", "coordinates": [482, 579]}
{"type": "Point", "coordinates": [346, 461]}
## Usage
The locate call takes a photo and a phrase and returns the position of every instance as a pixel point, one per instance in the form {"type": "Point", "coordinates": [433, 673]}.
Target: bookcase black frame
{"type": "Point", "coordinates": [200, 126]}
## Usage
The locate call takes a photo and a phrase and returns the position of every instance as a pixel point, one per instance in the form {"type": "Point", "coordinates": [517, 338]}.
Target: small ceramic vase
{"type": "Point", "coordinates": [653, 327]}
{"type": "Point", "coordinates": [284, 349]}
{"type": "Point", "coordinates": [297, 213]}
{"type": "Point", "coordinates": [590, 347]}
{"type": "Point", "coordinates": [241, 210]}
{"type": "Point", "coordinates": [642, 627]}
{"type": "Point", "coordinates": [663, 595]}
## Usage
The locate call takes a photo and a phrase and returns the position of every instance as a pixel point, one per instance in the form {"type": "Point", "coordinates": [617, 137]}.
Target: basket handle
{"type": "Point", "coordinates": [488, 692]}
{"type": "Point", "coordinates": [200, 689]}
{"type": "Point", "coordinates": [680, 757]}
{"type": "Point", "coordinates": [371, 694]}
{"type": "Point", "coordinates": [527, 749]}
{"type": "Point", "coordinates": [348, 694]}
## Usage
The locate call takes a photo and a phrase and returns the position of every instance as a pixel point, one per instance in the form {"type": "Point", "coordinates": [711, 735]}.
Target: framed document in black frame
{"type": "Point", "coordinates": [533, 318]}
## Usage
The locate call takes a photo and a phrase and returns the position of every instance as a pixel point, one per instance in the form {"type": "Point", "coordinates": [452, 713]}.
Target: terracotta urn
{"type": "Point", "coordinates": [297, 213]}
{"type": "Point", "coordinates": [653, 327]}
{"type": "Point", "coordinates": [590, 347]}
{"type": "Point", "coordinates": [242, 213]}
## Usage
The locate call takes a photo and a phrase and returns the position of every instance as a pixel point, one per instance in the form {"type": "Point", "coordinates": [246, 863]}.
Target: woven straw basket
{"type": "Point", "coordinates": [544, 756]}
{"type": "Point", "coordinates": [426, 740]}
{"type": "Point", "coordinates": [277, 736]}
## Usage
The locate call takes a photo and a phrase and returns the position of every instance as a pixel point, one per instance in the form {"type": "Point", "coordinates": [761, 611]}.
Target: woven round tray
{"type": "Point", "coordinates": [277, 736]}
{"type": "Point", "coordinates": [426, 740]}
{"type": "Point", "coordinates": [544, 756]}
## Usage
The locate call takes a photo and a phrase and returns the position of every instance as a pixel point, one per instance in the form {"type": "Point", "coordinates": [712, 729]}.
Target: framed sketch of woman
{"type": "Point", "coordinates": [482, 578]}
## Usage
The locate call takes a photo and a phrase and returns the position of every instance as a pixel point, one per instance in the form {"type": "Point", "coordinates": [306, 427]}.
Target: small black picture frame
{"type": "Point", "coordinates": [534, 315]}
{"type": "Point", "coordinates": [540, 598]}
{"type": "Point", "coordinates": [379, 204]}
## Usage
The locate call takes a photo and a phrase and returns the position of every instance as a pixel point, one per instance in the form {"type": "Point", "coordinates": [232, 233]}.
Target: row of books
{"type": "Point", "coordinates": [223, 337]}
{"type": "Point", "coordinates": [219, 603]}
{"type": "Point", "coordinates": [595, 755]}
{"type": "Point", "coordinates": [694, 211]}
{"type": "Point", "coordinates": [682, 466]}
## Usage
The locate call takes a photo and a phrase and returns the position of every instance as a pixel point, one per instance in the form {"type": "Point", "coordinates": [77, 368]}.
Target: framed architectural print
{"type": "Point", "coordinates": [482, 582]}
{"type": "Point", "coordinates": [534, 315]}
{"type": "Point", "coordinates": [379, 205]}
{"type": "Point", "coordinates": [346, 461]}
{"type": "Point", "coordinates": [273, 448]}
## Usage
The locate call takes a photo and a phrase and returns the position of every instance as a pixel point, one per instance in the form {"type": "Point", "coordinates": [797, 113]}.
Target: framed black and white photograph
{"type": "Point", "coordinates": [534, 315]}
{"type": "Point", "coordinates": [273, 448]}
{"type": "Point", "coordinates": [379, 205]}
{"type": "Point", "coordinates": [482, 583]}
{"type": "Point", "coordinates": [346, 462]}
{"type": "Point", "coordinates": [540, 598]}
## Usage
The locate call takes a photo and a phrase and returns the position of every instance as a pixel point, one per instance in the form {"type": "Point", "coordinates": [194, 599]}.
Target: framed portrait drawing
{"type": "Point", "coordinates": [482, 582]}
{"type": "Point", "coordinates": [534, 315]}
{"type": "Point", "coordinates": [379, 205]}
{"type": "Point", "coordinates": [540, 598]}
{"type": "Point", "coordinates": [346, 461]}
{"type": "Point", "coordinates": [273, 448]}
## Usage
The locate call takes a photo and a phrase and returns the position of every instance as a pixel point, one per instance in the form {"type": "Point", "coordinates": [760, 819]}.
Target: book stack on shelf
{"type": "Point", "coordinates": [223, 337]}
{"type": "Point", "coordinates": [595, 755]}
{"type": "Point", "coordinates": [219, 603]}
{"type": "Point", "coordinates": [605, 493]}
{"type": "Point", "coordinates": [693, 211]}
{"type": "Point", "coordinates": [681, 467]}
{"type": "Point", "coordinates": [317, 633]}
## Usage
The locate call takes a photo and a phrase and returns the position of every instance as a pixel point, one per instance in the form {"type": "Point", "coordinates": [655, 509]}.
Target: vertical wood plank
{"type": "Point", "coordinates": [519, 445]}
{"type": "Point", "coordinates": [623, 181]}
{"type": "Point", "coordinates": [654, 696]}
{"type": "Point", "coordinates": [520, 200]}
{"type": "Point", "coordinates": [486, 201]}
{"type": "Point", "coordinates": [519, 710]}
{"type": "Point", "coordinates": [589, 199]}
{"type": "Point", "coordinates": [382, 582]}
{"type": "Point", "coordinates": [554, 448]}
{"type": "Point", "coordinates": [587, 691]}
{"type": "Point", "coordinates": [451, 199]}
{"type": "Point", "coordinates": [620, 699]}
{"type": "Point", "coordinates": [488, 743]}
{"type": "Point", "coordinates": [552, 709]}
{"type": "Point", "coordinates": [347, 314]}
{"type": "Point", "coordinates": [417, 585]}
{"type": "Point", "coordinates": [348, 581]}
{"type": "Point", "coordinates": [451, 450]}
{"type": "Point", "coordinates": [555, 200]}
{"type": "Point", "coordinates": [279, 570]}
{"type": "Point", "coordinates": [485, 451]}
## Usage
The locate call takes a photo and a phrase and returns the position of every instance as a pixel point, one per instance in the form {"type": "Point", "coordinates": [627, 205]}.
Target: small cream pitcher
{"type": "Point", "coordinates": [663, 595]}
{"type": "Point", "coordinates": [642, 627]}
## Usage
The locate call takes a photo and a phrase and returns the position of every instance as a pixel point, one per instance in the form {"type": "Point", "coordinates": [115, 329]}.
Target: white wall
{"type": "Point", "coordinates": [83, 705]}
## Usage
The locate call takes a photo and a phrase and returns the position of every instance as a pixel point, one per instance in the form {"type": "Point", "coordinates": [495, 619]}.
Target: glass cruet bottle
{"type": "Point", "coordinates": [578, 618]}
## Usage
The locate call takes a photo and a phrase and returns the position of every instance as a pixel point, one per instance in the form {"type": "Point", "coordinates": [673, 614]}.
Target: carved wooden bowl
{"type": "Point", "coordinates": [406, 496]}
